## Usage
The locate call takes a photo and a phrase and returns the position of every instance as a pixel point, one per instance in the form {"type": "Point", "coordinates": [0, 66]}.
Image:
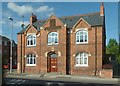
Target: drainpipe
{"type": "Point", "coordinates": [21, 52]}
{"type": "Point", "coordinates": [95, 51]}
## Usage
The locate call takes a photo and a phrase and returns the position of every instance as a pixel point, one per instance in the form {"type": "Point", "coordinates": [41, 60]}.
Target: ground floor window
{"type": "Point", "coordinates": [31, 60]}
{"type": "Point", "coordinates": [81, 59]}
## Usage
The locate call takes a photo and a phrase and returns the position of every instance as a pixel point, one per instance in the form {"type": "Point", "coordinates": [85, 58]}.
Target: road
{"type": "Point", "coordinates": [14, 81]}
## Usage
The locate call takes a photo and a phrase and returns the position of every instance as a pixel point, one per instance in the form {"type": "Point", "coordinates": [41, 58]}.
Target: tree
{"type": "Point", "coordinates": [113, 48]}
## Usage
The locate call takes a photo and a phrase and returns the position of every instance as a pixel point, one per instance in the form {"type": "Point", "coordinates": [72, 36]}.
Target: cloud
{"type": "Point", "coordinates": [44, 9]}
{"type": "Point", "coordinates": [25, 9]}
{"type": "Point", "coordinates": [21, 10]}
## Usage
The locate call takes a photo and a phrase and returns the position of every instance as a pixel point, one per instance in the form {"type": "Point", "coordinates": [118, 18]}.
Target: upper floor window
{"type": "Point", "coordinates": [53, 38]}
{"type": "Point", "coordinates": [82, 36]}
{"type": "Point", "coordinates": [31, 60]}
{"type": "Point", "coordinates": [31, 40]}
{"type": "Point", "coordinates": [5, 43]}
{"type": "Point", "coordinates": [82, 59]}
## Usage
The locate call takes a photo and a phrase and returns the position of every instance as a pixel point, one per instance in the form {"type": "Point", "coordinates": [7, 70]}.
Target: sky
{"type": "Point", "coordinates": [44, 10]}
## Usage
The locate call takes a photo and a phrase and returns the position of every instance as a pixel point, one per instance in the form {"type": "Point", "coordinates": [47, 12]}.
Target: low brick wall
{"type": "Point", "coordinates": [106, 73]}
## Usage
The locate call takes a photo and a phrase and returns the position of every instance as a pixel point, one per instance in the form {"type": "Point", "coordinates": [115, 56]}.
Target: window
{"type": "Point", "coordinates": [31, 60]}
{"type": "Point", "coordinates": [52, 38]}
{"type": "Point", "coordinates": [31, 40]}
{"type": "Point", "coordinates": [82, 59]}
{"type": "Point", "coordinates": [82, 36]}
{"type": "Point", "coordinates": [5, 43]}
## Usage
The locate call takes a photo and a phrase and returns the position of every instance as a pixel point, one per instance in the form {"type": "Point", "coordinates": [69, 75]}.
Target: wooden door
{"type": "Point", "coordinates": [53, 65]}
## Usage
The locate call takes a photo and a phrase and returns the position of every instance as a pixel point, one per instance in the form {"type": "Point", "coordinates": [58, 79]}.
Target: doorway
{"type": "Point", "coordinates": [52, 62]}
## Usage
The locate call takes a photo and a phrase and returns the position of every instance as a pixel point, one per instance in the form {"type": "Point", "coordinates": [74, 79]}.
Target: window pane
{"type": "Point", "coordinates": [81, 38]}
{"type": "Point", "coordinates": [85, 60]}
{"type": "Point", "coordinates": [53, 40]}
{"type": "Point", "coordinates": [27, 60]}
{"type": "Point", "coordinates": [34, 41]}
{"type": "Point", "coordinates": [77, 60]}
{"type": "Point", "coordinates": [31, 60]}
{"type": "Point", "coordinates": [81, 60]}
{"type": "Point", "coordinates": [49, 40]}
{"type": "Point", "coordinates": [56, 40]}
{"type": "Point", "coordinates": [86, 38]}
{"type": "Point", "coordinates": [34, 60]}
{"type": "Point", "coordinates": [31, 41]}
{"type": "Point", "coordinates": [77, 39]}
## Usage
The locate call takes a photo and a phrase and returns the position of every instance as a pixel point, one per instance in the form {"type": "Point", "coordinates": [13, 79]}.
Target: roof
{"type": "Point", "coordinates": [94, 19]}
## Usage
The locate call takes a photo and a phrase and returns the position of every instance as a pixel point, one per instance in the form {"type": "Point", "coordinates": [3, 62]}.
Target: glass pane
{"type": "Point", "coordinates": [34, 61]}
{"type": "Point", "coordinates": [56, 40]}
{"type": "Point", "coordinates": [53, 55]}
{"type": "Point", "coordinates": [31, 42]}
{"type": "Point", "coordinates": [81, 60]}
{"type": "Point", "coordinates": [28, 42]}
{"type": "Point", "coordinates": [27, 60]}
{"type": "Point", "coordinates": [85, 60]}
{"type": "Point", "coordinates": [77, 60]}
{"type": "Point", "coordinates": [53, 41]}
{"type": "Point", "coordinates": [85, 38]}
{"type": "Point", "coordinates": [30, 60]}
{"type": "Point", "coordinates": [77, 34]}
{"type": "Point", "coordinates": [77, 39]}
{"type": "Point", "coordinates": [81, 38]}
{"type": "Point", "coordinates": [34, 41]}
{"type": "Point", "coordinates": [49, 40]}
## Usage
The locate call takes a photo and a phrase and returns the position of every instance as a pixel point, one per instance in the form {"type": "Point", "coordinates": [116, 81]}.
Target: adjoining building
{"type": "Point", "coordinates": [5, 51]}
{"type": "Point", "coordinates": [66, 45]}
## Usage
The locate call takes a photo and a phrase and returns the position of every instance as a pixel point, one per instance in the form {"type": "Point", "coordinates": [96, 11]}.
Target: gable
{"type": "Point", "coordinates": [81, 24]}
{"type": "Point", "coordinates": [53, 23]}
{"type": "Point", "coordinates": [30, 29]}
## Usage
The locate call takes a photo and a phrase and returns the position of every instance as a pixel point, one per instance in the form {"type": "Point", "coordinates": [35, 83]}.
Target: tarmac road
{"type": "Point", "coordinates": [16, 81]}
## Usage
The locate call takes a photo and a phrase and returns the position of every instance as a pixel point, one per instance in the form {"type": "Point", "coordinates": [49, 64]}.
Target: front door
{"type": "Point", "coordinates": [53, 66]}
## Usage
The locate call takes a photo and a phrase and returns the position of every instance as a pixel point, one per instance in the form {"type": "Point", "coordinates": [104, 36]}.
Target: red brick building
{"type": "Point", "coordinates": [5, 52]}
{"type": "Point", "coordinates": [67, 45]}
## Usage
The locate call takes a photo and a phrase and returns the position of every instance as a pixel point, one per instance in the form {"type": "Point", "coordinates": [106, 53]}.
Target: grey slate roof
{"type": "Point", "coordinates": [93, 19]}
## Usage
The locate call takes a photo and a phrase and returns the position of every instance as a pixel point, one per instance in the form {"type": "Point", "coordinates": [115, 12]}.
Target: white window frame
{"type": "Point", "coordinates": [5, 43]}
{"type": "Point", "coordinates": [52, 38]}
{"type": "Point", "coordinates": [83, 59]}
{"type": "Point", "coordinates": [29, 58]}
{"type": "Point", "coordinates": [79, 36]}
{"type": "Point", "coordinates": [34, 42]}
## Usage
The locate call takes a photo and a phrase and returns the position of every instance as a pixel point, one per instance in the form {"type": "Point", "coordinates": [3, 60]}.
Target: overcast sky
{"type": "Point", "coordinates": [44, 10]}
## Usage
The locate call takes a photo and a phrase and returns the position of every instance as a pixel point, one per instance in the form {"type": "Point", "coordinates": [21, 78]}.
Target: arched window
{"type": "Point", "coordinates": [31, 60]}
{"type": "Point", "coordinates": [82, 36]}
{"type": "Point", "coordinates": [82, 59]}
{"type": "Point", "coordinates": [52, 38]}
{"type": "Point", "coordinates": [31, 40]}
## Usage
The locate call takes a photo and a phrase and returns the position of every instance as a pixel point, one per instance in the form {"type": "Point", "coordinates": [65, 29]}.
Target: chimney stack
{"type": "Point", "coordinates": [102, 9]}
{"type": "Point", "coordinates": [33, 18]}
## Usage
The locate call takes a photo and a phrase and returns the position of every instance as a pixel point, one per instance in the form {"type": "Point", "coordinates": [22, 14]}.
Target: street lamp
{"type": "Point", "coordinates": [11, 46]}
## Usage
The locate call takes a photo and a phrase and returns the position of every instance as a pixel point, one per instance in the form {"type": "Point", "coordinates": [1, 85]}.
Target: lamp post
{"type": "Point", "coordinates": [11, 46]}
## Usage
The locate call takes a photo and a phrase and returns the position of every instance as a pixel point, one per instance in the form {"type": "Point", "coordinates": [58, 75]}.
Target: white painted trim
{"type": "Point", "coordinates": [53, 44]}
{"type": "Point", "coordinates": [81, 65]}
{"type": "Point", "coordinates": [30, 64]}
{"type": "Point", "coordinates": [34, 34]}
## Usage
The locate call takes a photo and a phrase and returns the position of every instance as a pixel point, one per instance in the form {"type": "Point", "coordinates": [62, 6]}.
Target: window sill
{"type": "Point", "coordinates": [53, 44]}
{"type": "Point", "coordinates": [31, 46]}
{"type": "Point", "coordinates": [78, 65]}
{"type": "Point", "coordinates": [82, 43]}
{"type": "Point", "coordinates": [30, 64]}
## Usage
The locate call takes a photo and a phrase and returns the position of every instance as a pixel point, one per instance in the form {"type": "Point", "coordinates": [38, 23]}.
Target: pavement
{"type": "Point", "coordinates": [68, 78]}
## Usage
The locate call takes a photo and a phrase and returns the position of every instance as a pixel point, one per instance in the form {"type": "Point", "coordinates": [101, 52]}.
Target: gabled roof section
{"type": "Point", "coordinates": [23, 30]}
{"type": "Point", "coordinates": [94, 19]}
